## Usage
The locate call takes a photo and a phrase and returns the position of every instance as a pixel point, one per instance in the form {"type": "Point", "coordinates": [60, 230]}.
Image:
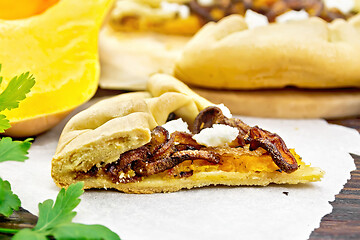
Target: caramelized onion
{"type": "Point", "coordinates": [164, 152]}
{"type": "Point", "coordinates": [269, 8]}
{"type": "Point", "coordinates": [254, 136]}
{"type": "Point", "coordinates": [142, 168]}
{"type": "Point", "coordinates": [276, 147]}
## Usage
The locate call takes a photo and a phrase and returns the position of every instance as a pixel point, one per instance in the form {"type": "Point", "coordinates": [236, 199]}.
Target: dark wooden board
{"type": "Point", "coordinates": [344, 221]}
{"type": "Point", "coordinates": [18, 220]}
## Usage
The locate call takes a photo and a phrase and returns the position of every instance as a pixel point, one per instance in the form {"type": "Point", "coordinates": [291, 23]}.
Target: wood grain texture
{"type": "Point", "coordinates": [348, 122]}
{"type": "Point", "coordinates": [18, 220]}
{"type": "Point", "coordinates": [344, 221]}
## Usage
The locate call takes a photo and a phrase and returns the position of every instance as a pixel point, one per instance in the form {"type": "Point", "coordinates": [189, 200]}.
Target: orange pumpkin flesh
{"type": "Point", "coordinates": [57, 46]}
{"type": "Point", "coordinates": [17, 9]}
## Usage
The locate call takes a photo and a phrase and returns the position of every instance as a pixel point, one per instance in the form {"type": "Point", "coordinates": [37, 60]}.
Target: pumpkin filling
{"type": "Point", "coordinates": [189, 17]}
{"type": "Point", "coordinates": [179, 155]}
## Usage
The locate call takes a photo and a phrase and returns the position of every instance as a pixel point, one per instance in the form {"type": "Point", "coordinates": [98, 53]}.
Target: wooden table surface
{"type": "Point", "coordinates": [342, 223]}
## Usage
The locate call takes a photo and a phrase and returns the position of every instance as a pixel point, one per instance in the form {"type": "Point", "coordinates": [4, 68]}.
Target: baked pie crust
{"type": "Point", "coordinates": [92, 142]}
{"type": "Point", "coordinates": [306, 54]}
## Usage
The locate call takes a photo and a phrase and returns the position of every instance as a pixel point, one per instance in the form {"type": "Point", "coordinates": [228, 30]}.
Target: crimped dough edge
{"type": "Point", "coordinates": [307, 54]}
{"type": "Point", "coordinates": [113, 126]}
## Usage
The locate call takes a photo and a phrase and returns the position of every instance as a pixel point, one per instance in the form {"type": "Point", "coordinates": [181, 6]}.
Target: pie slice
{"type": "Point", "coordinates": [140, 143]}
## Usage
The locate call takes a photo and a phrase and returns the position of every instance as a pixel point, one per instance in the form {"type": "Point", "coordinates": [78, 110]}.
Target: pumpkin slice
{"type": "Point", "coordinates": [23, 8]}
{"type": "Point", "coordinates": [59, 47]}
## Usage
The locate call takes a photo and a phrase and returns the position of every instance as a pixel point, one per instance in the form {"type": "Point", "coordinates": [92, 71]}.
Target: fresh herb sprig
{"type": "Point", "coordinates": [8, 200]}
{"type": "Point", "coordinates": [55, 220]}
{"type": "Point", "coordinates": [11, 150]}
{"type": "Point", "coordinates": [15, 91]}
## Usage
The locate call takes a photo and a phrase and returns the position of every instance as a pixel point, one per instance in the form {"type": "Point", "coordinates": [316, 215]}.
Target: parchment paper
{"type": "Point", "coordinates": [272, 212]}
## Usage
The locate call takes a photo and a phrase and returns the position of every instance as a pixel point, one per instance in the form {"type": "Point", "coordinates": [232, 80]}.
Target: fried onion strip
{"type": "Point", "coordinates": [142, 168]}
{"type": "Point", "coordinates": [159, 136]}
{"type": "Point", "coordinates": [275, 145]}
{"type": "Point", "coordinates": [255, 136]}
{"type": "Point", "coordinates": [269, 8]}
{"type": "Point", "coordinates": [164, 152]}
{"type": "Point", "coordinates": [213, 115]}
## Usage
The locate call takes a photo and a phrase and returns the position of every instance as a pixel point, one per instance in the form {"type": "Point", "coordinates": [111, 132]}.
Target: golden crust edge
{"type": "Point", "coordinates": [197, 62]}
{"type": "Point", "coordinates": [156, 184]}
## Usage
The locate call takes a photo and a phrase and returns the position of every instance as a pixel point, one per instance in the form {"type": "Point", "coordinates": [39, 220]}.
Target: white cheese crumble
{"type": "Point", "coordinates": [182, 10]}
{"type": "Point", "coordinates": [176, 125]}
{"type": "Point", "coordinates": [206, 3]}
{"type": "Point", "coordinates": [345, 6]}
{"type": "Point", "coordinates": [169, 7]}
{"type": "Point", "coordinates": [292, 16]}
{"type": "Point", "coordinates": [216, 136]}
{"type": "Point", "coordinates": [254, 19]}
{"type": "Point", "coordinates": [224, 110]}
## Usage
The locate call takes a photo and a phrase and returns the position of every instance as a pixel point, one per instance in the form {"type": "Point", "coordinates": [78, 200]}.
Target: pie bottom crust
{"type": "Point", "coordinates": [156, 184]}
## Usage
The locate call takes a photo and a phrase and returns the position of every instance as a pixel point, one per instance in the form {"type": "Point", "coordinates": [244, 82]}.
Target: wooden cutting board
{"type": "Point", "coordinates": [288, 103]}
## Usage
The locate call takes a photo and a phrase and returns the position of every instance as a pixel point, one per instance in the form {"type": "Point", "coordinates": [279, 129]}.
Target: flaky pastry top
{"type": "Point", "coordinates": [309, 53]}
{"type": "Point", "coordinates": [113, 126]}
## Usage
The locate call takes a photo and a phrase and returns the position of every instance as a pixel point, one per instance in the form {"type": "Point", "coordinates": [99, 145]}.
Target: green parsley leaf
{"type": "Point", "coordinates": [8, 200]}
{"type": "Point", "coordinates": [85, 232]}
{"type": "Point", "coordinates": [1, 78]}
{"type": "Point", "coordinates": [11, 150]}
{"type": "Point", "coordinates": [28, 234]}
{"type": "Point", "coordinates": [14, 150]}
{"type": "Point", "coordinates": [4, 123]}
{"type": "Point", "coordinates": [16, 91]}
{"type": "Point", "coordinates": [51, 215]}
{"type": "Point", "coordinates": [55, 220]}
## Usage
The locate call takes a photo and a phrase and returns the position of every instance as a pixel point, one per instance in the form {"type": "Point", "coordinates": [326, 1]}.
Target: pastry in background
{"type": "Point", "coordinates": [311, 54]}
{"type": "Point", "coordinates": [144, 37]}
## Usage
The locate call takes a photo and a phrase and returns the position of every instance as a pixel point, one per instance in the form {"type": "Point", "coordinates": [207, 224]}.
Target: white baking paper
{"type": "Point", "coordinates": [211, 212]}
